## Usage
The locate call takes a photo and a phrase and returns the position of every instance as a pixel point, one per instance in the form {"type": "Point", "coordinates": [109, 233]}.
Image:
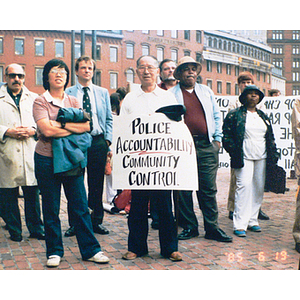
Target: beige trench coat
{"type": "Point", "coordinates": [16, 157]}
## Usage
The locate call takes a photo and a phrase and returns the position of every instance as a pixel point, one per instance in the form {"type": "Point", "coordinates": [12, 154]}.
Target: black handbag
{"type": "Point", "coordinates": [275, 179]}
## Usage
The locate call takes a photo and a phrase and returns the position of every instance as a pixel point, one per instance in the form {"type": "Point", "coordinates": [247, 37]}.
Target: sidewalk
{"type": "Point", "coordinates": [272, 249]}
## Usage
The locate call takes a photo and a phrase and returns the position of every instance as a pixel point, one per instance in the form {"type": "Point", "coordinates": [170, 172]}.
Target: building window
{"type": "Point", "coordinates": [277, 50]}
{"type": "Point", "coordinates": [187, 53]}
{"type": "Point", "coordinates": [97, 78]}
{"type": "Point", "coordinates": [129, 75]}
{"type": "Point", "coordinates": [237, 71]}
{"type": "Point", "coordinates": [296, 63]}
{"type": "Point", "coordinates": [59, 49]}
{"type": "Point", "coordinates": [228, 88]}
{"type": "Point", "coordinates": [209, 66]}
{"type": "Point", "coordinates": [145, 31]}
{"type": "Point", "coordinates": [209, 83]}
{"type": "Point", "coordinates": [198, 57]}
{"type": "Point", "coordinates": [236, 89]}
{"type": "Point", "coordinates": [1, 45]}
{"type": "Point", "coordinates": [295, 34]}
{"type": "Point", "coordinates": [113, 81]}
{"type": "Point", "coordinates": [258, 75]}
{"type": "Point", "coordinates": [277, 35]}
{"type": "Point", "coordinates": [174, 34]}
{"type": "Point", "coordinates": [145, 50]}
{"type": "Point", "coordinates": [296, 90]}
{"type": "Point", "coordinates": [278, 62]}
{"type": "Point", "coordinates": [160, 54]}
{"type": "Point", "coordinates": [160, 32]}
{"type": "Point", "coordinates": [113, 54]}
{"type": "Point", "coordinates": [129, 51]}
{"type": "Point", "coordinates": [1, 73]}
{"type": "Point", "coordinates": [295, 50]}
{"type": "Point", "coordinates": [39, 75]}
{"type": "Point", "coordinates": [77, 50]}
{"type": "Point", "coordinates": [39, 47]}
{"type": "Point", "coordinates": [219, 87]}
{"type": "Point", "coordinates": [19, 46]}
{"type": "Point", "coordinates": [98, 52]}
{"type": "Point", "coordinates": [187, 35]}
{"type": "Point", "coordinates": [228, 69]}
{"type": "Point", "coordinates": [296, 76]}
{"type": "Point", "coordinates": [174, 55]}
{"type": "Point", "coordinates": [198, 36]}
{"type": "Point", "coordinates": [219, 67]}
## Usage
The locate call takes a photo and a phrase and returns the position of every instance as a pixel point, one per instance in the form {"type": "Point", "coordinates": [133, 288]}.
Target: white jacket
{"type": "Point", "coordinates": [16, 156]}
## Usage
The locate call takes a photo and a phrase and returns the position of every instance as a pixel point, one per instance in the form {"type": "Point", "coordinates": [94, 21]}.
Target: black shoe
{"type": "Point", "coordinates": [188, 234]}
{"type": "Point", "coordinates": [37, 235]}
{"type": "Point", "coordinates": [70, 232]}
{"type": "Point", "coordinates": [297, 247]}
{"type": "Point", "coordinates": [218, 235]}
{"type": "Point", "coordinates": [263, 216]}
{"type": "Point", "coordinates": [230, 215]}
{"type": "Point", "coordinates": [100, 229]}
{"type": "Point", "coordinates": [16, 238]}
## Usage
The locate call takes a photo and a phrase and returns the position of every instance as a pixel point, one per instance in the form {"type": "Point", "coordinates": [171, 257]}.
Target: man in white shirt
{"type": "Point", "coordinates": [146, 100]}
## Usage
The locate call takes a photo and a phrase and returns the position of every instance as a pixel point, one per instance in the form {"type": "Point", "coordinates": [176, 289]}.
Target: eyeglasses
{"type": "Point", "coordinates": [58, 71]}
{"type": "Point", "coordinates": [14, 75]}
{"type": "Point", "coordinates": [149, 68]}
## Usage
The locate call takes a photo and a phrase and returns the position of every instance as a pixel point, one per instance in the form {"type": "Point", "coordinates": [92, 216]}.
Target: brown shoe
{"type": "Point", "coordinates": [175, 256]}
{"type": "Point", "coordinates": [129, 255]}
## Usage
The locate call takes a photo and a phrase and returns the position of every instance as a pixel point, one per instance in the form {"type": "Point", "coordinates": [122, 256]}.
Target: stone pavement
{"type": "Point", "coordinates": [272, 249]}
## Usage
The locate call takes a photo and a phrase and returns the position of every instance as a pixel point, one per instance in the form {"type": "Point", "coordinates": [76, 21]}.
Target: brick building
{"type": "Point", "coordinates": [226, 55]}
{"type": "Point", "coordinates": [222, 55]}
{"type": "Point", "coordinates": [285, 46]}
{"type": "Point", "coordinates": [33, 48]}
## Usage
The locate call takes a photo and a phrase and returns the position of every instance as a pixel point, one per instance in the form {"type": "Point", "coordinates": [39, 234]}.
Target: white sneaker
{"type": "Point", "coordinates": [53, 261]}
{"type": "Point", "coordinates": [99, 258]}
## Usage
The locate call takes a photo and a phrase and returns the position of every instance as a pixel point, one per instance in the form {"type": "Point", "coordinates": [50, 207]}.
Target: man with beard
{"type": "Point", "coordinates": [167, 68]}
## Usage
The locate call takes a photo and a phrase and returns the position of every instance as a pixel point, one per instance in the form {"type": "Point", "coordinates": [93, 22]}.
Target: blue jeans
{"type": "Point", "coordinates": [50, 187]}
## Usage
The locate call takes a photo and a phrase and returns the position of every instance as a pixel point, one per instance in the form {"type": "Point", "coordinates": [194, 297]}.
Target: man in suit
{"type": "Point", "coordinates": [95, 100]}
{"type": "Point", "coordinates": [203, 119]}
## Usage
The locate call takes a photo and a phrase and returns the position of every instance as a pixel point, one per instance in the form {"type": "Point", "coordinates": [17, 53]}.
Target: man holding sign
{"type": "Point", "coordinates": [145, 101]}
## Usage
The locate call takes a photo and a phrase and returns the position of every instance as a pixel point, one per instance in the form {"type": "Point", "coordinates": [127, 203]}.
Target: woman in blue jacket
{"type": "Point", "coordinates": [249, 140]}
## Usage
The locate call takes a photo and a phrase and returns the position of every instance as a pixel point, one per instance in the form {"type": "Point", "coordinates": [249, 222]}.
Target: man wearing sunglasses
{"type": "Point", "coordinates": [17, 144]}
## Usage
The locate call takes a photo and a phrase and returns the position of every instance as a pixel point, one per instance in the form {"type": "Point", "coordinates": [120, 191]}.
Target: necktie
{"type": "Point", "coordinates": [86, 104]}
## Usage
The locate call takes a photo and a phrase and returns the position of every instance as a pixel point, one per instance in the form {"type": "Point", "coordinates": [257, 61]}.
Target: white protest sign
{"type": "Point", "coordinates": [153, 153]}
{"type": "Point", "coordinates": [279, 110]}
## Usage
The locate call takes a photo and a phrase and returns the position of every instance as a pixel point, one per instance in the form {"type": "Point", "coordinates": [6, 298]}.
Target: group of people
{"type": "Point", "coordinates": [38, 132]}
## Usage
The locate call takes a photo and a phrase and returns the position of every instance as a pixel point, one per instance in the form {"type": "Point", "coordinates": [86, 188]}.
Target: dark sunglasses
{"type": "Point", "coordinates": [13, 76]}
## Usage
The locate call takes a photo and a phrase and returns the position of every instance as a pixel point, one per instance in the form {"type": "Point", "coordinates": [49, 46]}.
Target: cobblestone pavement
{"type": "Point", "coordinates": [272, 249]}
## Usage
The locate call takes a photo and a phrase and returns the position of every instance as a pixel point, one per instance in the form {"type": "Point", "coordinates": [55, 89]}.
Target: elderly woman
{"type": "Point", "coordinates": [249, 140]}
{"type": "Point", "coordinates": [45, 111]}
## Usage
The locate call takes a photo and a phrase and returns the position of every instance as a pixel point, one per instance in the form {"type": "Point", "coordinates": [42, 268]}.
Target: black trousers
{"type": "Point", "coordinates": [207, 163]}
{"type": "Point", "coordinates": [97, 155]}
{"type": "Point", "coordinates": [10, 211]}
{"type": "Point", "coordinates": [138, 222]}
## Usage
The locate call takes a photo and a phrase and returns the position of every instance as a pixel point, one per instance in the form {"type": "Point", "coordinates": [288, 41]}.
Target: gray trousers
{"type": "Point", "coordinates": [207, 163]}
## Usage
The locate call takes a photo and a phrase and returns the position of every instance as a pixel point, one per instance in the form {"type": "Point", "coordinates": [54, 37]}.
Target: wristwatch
{"type": "Point", "coordinates": [63, 124]}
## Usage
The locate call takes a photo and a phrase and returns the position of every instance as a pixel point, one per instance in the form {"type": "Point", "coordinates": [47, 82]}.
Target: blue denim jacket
{"type": "Point", "coordinates": [210, 106]}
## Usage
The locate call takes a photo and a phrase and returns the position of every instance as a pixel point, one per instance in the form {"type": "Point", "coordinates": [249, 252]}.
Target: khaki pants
{"type": "Point", "coordinates": [231, 195]}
